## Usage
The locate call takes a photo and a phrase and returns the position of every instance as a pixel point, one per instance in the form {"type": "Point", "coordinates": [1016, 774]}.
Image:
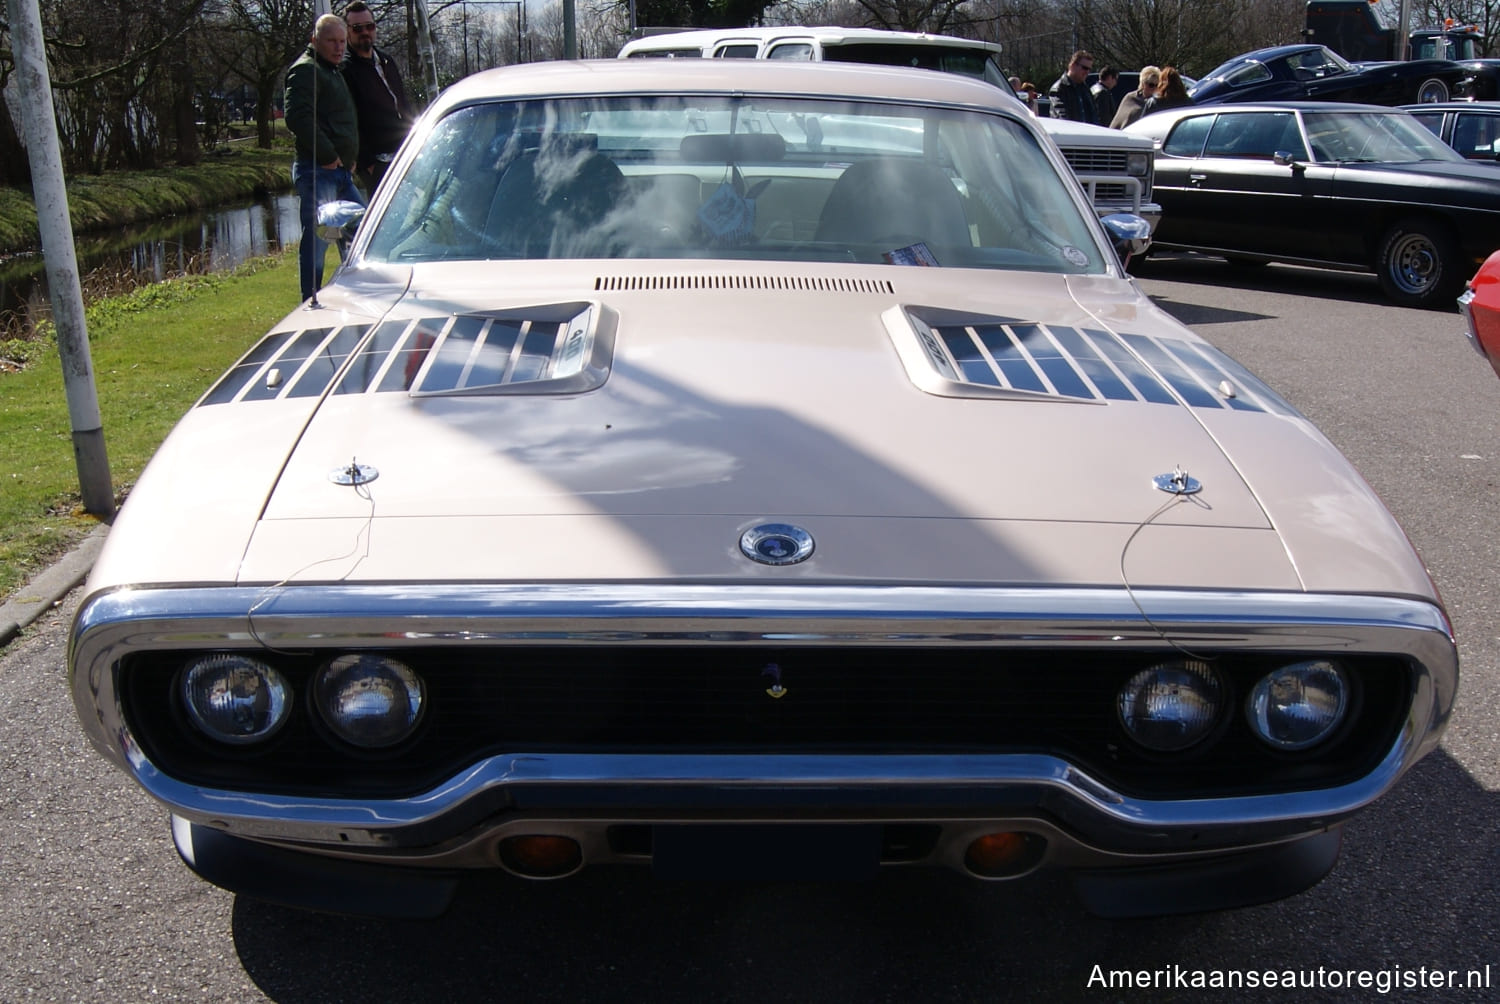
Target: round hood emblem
{"type": "Point", "coordinates": [776, 544]}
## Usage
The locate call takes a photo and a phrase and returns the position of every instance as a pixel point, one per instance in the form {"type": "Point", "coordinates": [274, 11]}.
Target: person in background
{"type": "Point", "coordinates": [1070, 94]}
{"type": "Point", "coordinates": [385, 115]}
{"type": "Point", "coordinates": [1103, 93]}
{"type": "Point", "coordinates": [1172, 93]}
{"type": "Point", "coordinates": [320, 114]}
{"type": "Point", "coordinates": [1029, 94]}
{"type": "Point", "coordinates": [1133, 105]}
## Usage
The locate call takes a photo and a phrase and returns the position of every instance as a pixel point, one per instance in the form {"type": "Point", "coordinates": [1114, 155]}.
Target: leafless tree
{"type": "Point", "coordinates": [256, 40]}
{"type": "Point", "coordinates": [840, 12]}
{"type": "Point", "coordinates": [13, 170]}
{"type": "Point", "coordinates": [1483, 16]}
{"type": "Point", "coordinates": [1192, 35]}
{"type": "Point", "coordinates": [122, 97]}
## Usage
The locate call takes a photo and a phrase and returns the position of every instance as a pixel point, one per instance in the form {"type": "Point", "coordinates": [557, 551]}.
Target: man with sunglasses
{"type": "Point", "coordinates": [1070, 95]}
{"type": "Point", "coordinates": [385, 115]}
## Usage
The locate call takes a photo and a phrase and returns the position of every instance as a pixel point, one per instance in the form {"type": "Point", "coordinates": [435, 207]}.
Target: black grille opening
{"type": "Point", "coordinates": [742, 699]}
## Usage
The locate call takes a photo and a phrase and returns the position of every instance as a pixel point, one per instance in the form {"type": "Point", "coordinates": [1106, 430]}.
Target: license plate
{"type": "Point", "coordinates": [766, 852]}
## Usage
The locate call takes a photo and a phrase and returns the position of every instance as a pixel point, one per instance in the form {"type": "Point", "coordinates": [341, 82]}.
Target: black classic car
{"type": "Point", "coordinates": [1334, 185]}
{"type": "Point", "coordinates": [1470, 127]}
{"type": "Point", "coordinates": [1317, 73]}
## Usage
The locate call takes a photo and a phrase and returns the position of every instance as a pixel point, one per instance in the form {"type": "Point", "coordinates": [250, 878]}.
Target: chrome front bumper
{"type": "Point", "coordinates": [459, 823]}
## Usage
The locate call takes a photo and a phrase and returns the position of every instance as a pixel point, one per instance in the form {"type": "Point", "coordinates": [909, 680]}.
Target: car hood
{"type": "Point", "coordinates": [1011, 436]}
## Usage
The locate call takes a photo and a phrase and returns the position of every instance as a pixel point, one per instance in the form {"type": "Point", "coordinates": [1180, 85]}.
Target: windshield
{"type": "Point", "coordinates": [787, 179]}
{"type": "Point", "coordinates": [1372, 137]}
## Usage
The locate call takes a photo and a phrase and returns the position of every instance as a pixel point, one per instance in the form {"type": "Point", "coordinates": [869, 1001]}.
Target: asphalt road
{"type": "Point", "coordinates": [94, 905]}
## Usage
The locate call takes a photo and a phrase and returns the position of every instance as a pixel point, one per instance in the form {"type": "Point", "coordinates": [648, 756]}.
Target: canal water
{"type": "Point", "coordinates": [211, 241]}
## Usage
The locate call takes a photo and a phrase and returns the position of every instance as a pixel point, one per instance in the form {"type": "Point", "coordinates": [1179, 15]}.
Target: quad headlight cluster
{"type": "Point", "coordinates": [1177, 704]}
{"type": "Point", "coordinates": [367, 700]}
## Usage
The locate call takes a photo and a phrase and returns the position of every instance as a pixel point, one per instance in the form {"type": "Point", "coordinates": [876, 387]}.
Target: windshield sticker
{"type": "Point", "coordinates": [1075, 256]}
{"type": "Point", "coordinates": [913, 254]}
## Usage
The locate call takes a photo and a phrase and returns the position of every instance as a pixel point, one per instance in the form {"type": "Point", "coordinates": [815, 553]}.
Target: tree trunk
{"type": "Point", "coordinates": [13, 170]}
{"type": "Point", "coordinates": [185, 116]}
{"type": "Point", "coordinates": [265, 108]}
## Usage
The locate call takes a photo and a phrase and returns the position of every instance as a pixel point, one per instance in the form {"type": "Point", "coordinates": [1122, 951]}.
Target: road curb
{"type": "Point", "coordinates": [49, 587]}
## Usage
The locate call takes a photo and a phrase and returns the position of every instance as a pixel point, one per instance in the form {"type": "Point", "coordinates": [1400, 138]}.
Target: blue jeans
{"type": "Point", "coordinates": [333, 185]}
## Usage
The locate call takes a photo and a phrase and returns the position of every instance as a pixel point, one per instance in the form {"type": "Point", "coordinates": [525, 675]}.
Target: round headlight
{"type": "Point", "coordinates": [235, 699]}
{"type": "Point", "coordinates": [1171, 706]}
{"type": "Point", "coordinates": [1299, 705]}
{"type": "Point", "coordinates": [368, 700]}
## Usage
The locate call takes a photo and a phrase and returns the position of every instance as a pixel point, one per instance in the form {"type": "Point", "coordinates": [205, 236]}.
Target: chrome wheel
{"type": "Point", "coordinates": [1431, 91]}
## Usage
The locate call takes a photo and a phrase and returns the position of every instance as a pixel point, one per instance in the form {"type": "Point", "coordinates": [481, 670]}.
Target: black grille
{"type": "Point", "coordinates": [486, 701]}
{"type": "Point", "coordinates": [1092, 160]}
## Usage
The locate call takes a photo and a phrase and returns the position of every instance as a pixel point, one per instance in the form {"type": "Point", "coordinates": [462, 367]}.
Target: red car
{"type": "Point", "coordinates": [1480, 305]}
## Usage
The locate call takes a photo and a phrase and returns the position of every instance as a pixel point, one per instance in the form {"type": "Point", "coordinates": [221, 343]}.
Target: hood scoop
{"type": "Point", "coordinates": [562, 348]}
{"type": "Point", "coordinates": [950, 353]}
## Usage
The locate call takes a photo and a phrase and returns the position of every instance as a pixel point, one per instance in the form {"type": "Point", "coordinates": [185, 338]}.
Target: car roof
{"type": "Point", "coordinates": [828, 35]}
{"type": "Point", "coordinates": [1276, 50]}
{"type": "Point", "coordinates": [1158, 122]}
{"type": "Point", "coordinates": [1305, 105]}
{"type": "Point", "coordinates": [1242, 107]}
{"type": "Point", "coordinates": [563, 78]}
{"type": "Point", "coordinates": [1482, 107]}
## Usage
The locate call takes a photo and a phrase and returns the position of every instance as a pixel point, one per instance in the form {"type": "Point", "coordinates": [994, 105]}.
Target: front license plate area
{"type": "Point", "coordinates": [766, 852]}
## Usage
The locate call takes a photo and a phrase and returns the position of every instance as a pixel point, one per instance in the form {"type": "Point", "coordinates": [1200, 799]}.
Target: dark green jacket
{"type": "Point", "coordinates": [332, 128]}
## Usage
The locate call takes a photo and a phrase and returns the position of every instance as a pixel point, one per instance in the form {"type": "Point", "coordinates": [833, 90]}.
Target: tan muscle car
{"type": "Point", "coordinates": [760, 470]}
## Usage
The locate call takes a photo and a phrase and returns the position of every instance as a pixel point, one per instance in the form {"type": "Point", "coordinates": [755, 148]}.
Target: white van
{"type": "Point", "coordinates": [1115, 169]}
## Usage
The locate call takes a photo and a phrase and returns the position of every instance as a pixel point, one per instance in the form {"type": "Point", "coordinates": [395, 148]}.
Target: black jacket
{"type": "Point", "coordinates": [1104, 104]}
{"type": "Point", "coordinates": [1072, 101]}
{"type": "Point", "coordinates": [384, 113]}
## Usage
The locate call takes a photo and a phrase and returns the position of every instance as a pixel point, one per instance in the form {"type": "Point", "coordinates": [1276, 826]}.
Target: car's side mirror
{"type": "Point", "coordinates": [1131, 233]}
{"type": "Point", "coordinates": [337, 221]}
{"type": "Point", "coordinates": [1285, 158]}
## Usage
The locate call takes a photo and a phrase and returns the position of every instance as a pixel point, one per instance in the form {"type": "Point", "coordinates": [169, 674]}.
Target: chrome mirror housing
{"type": "Point", "coordinates": [337, 221]}
{"type": "Point", "coordinates": [1131, 233]}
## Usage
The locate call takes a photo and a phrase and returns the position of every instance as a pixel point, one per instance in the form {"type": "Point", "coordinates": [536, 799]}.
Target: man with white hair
{"type": "Point", "coordinates": [320, 114]}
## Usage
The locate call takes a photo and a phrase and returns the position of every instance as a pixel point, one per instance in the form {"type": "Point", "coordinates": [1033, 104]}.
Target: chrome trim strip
{"type": "Point", "coordinates": [392, 614]}
{"type": "Point", "coordinates": [1022, 786]}
{"type": "Point", "coordinates": [112, 624]}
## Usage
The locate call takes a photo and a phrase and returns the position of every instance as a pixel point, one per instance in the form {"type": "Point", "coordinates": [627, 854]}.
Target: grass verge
{"type": "Point", "coordinates": [155, 351]}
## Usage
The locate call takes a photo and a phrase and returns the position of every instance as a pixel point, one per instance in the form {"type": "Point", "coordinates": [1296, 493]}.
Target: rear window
{"type": "Point", "coordinates": [947, 58]}
{"type": "Point", "coordinates": [792, 50]}
{"type": "Point", "coordinates": [667, 54]}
